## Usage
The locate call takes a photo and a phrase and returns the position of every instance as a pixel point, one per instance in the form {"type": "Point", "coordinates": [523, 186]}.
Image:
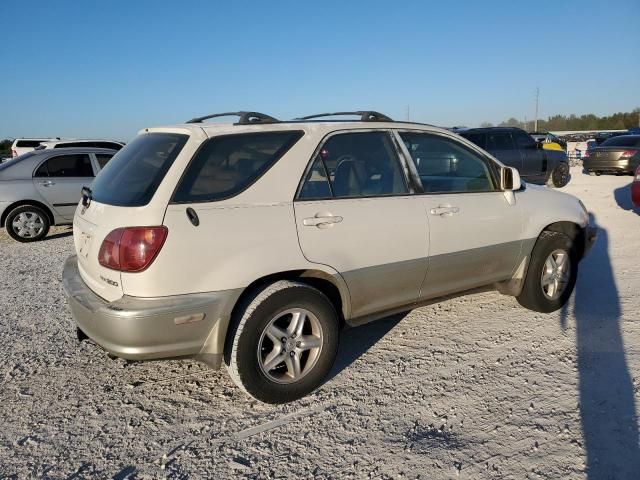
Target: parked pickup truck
{"type": "Point", "coordinates": [516, 148]}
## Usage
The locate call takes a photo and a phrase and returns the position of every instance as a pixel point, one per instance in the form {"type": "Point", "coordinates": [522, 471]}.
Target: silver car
{"type": "Point", "coordinates": [43, 188]}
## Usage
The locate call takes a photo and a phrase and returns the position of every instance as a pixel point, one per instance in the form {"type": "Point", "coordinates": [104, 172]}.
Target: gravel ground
{"type": "Point", "coordinates": [474, 387]}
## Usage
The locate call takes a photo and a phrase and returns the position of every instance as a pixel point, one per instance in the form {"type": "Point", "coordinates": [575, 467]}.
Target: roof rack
{"type": "Point", "coordinates": [365, 116]}
{"type": "Point", "coordinates": [246, 118]}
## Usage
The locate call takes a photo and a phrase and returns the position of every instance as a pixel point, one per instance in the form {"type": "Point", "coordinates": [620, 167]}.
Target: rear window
{"type": "Point", "coordinates": [228, 164]}
{"type": "Point", "coordinates": [29, 143]}
{"type": "Point", "coordinates": [622, 141]}
{"type": "Point", "coordinates": [133, 175]}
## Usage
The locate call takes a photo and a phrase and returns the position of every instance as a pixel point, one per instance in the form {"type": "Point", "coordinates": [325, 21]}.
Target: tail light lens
{"type": "Point", "coordinates": [628, 154]}
{"type": "Point", "coordinates": [586, 154]}
{"type": "Point", "coordinates": [131, 249]}
{"type": "Point", "coordinates": [14, 154]}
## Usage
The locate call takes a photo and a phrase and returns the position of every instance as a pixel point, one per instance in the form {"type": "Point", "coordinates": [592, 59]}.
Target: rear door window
{"type": "Point", "coordinates": [76, 165]}
{"type": "Point", "coordinates": [228, 164]}
{"type": "Point", "coordinates": [500, 141]}
{"type": "Point", "coordinates": [132, 176]}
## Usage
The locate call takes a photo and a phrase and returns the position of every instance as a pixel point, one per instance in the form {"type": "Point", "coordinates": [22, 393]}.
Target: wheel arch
{"type": "Point", "coordinates": [574, 231]}
{"type": "Point", "coordinates": [333, 286]}
{"type": "Point", "coordinates": [22, 203]}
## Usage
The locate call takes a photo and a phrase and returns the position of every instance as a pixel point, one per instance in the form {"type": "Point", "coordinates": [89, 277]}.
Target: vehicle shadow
{"type": "Point", "coordinates": [355, 342]}
{"type": "Point", "coordinates": [607, 409]}
{"type": "Point", "coordinates": [623, 198]}
{"type": "Point", "coordinates": [63, 234]}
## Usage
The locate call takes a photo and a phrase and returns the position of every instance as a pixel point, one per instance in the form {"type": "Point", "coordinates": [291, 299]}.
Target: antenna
{"type": "Point", "coordinates": [535, 128]}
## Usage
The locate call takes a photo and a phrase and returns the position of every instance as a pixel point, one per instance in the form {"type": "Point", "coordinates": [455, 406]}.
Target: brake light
{"type": "Point", "coordinates": [14, 153]}
{"type": "Point", "coordinates": [131, 249]}
{"type": "Point", "coordinates": [587, 154]}
{"type": "Point", "coordinates": [628, 154]}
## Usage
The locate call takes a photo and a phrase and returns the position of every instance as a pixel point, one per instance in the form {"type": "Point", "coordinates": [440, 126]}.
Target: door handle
{"type": "Point", "coordinates": [321, 220]}
{"type": "Point", "coordinates": [47, 183]}
{"type": "Point", "coordinates": [444, 210]}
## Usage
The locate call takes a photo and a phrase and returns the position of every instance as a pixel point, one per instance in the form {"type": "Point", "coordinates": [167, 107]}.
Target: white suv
{"type": "Point", "coordinates": [24, 145]}
{"type": "Point", "coordinates": [254, 242]}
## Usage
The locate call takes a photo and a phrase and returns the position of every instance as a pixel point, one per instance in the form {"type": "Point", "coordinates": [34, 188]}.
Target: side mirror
{"type": "Point", "coordinates": [510, 179]}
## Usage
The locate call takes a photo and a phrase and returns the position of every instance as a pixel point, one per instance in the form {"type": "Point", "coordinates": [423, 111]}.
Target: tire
{"type": "Point", "coordinates": [264, 368]}
{"type": "Point", "coordinates": [535, 296]}
{"type": "Point", "coordinates": [27, 223]}
{"type": "Point", "coordinates": [560, 176]}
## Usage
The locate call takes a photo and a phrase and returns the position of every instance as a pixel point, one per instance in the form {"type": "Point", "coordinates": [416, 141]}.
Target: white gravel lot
{"type": "Point", "coordinates": [474, 387]}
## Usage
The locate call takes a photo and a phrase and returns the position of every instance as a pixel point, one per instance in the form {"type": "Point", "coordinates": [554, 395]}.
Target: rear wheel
{"type": "Point", "coordinates": [283, 343]}
{"type": "Point", "coordinates": [551, 274]}
{"type": "Point", "coordinates": [27, 223]}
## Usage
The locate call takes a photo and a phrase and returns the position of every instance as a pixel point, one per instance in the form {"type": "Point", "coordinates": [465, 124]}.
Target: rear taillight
{"type": "Point", "coordinates": [131, 249]}
{"type": "Point", "coordinates": [14, 153]}
{"type": "Point", "coordinates": [586, 154]}
{"type": "Point", "coordinates": [628, 154]}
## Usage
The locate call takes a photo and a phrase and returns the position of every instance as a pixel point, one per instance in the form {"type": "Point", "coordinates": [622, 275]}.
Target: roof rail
{"type": "Point", "coordinates": [246, 118]}
{"type": "Point", "coordinates": [365, 116]}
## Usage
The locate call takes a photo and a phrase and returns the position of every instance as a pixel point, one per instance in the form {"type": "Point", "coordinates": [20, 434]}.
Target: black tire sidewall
{"type": "Point", "coordinates": [8, 223]}
{"type": "Point", "coordinates": [532, 296]}
{"type": "Point", "coordinates": [253, 379]}
{"type": "Point", "coordinates": [557, 181]}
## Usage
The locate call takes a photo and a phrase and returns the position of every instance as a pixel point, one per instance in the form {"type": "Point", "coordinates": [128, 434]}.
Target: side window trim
{"type": "Point", "coordinates": [94, 163]}
{"type": "Point", "coordinates": [400, 157]}
{"type": "Point", "coordinates": [492, 166]}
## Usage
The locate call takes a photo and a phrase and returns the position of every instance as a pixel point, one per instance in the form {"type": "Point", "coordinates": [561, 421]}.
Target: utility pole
{"type": "Point", "coordinates": [535, 127]}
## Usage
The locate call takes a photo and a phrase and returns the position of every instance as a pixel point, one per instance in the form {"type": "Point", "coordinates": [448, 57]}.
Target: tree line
{"type": "Point", "coordinates": [617, 121]}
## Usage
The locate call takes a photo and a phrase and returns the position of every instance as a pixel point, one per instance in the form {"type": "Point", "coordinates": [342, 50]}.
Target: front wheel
{"type": "Point", "coordinates": [283, 343]}
{"type": "Point", "coordinates": [551, 275]}
{"type": "Point", "coordinates": [560, 176]}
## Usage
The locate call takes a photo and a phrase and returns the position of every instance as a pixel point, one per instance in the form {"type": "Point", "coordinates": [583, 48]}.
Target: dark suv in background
{"type": "Point", "coordinates": [516, 148]}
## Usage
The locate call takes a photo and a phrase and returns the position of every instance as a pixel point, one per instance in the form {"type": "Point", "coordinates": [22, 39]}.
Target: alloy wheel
{"type": "Point", "coordinates": [290, 345]}
{"type": "Point", "coordinates": [555, 274]}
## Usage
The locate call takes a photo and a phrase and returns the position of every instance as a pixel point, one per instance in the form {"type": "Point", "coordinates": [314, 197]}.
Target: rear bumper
{"type": "Point", "coordinates": [151, 328]}
{"type": "Point", "coordinates": [616, 166]}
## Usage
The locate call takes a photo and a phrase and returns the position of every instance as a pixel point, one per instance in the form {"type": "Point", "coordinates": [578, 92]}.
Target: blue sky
{"type": "Point", "coordinates": [106, 69]}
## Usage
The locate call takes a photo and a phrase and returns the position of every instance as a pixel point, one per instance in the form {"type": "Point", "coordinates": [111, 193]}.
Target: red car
{"type": "Point", "coordinates": [635, 189]}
